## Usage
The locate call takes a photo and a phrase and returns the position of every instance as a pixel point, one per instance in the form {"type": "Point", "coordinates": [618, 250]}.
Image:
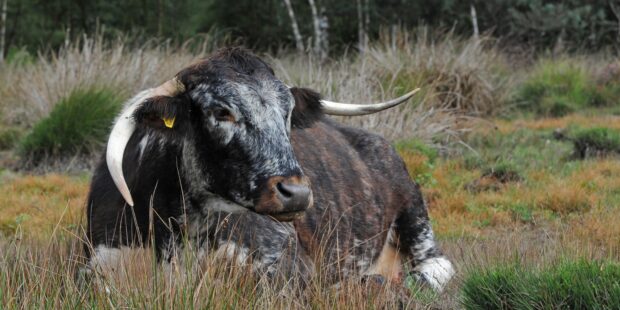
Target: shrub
{"type": "Point", "coordinates": [9, 137]}
{"type": "Point", "coordinates": [556, 88]}
{"type": "Point", "coordinates": [597, 141]}
{"type": "Point", "coordinates": [77, 125]}
{"type": "Point", "coordinates": [469, 76]}
{"type": "Point", "coordinates": [569, 285]}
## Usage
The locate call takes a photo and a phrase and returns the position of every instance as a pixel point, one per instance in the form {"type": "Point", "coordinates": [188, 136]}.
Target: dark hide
{"type": "Point", "coordinates": [364, 198]}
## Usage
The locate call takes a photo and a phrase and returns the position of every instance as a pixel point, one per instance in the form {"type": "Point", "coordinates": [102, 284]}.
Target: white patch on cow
{"type": "Point", "coordinates": [104, 262]}
{"type": "Point", "coordinates": [437, 271]}
{"type": "Point", "coordinates": [232, 252]}
{"type": "Point", "coordinates": [423, 246]}
{"type": "Point", "coordinates": [142, 145]}
{"type": "Point", "coordinates": [105, 259]}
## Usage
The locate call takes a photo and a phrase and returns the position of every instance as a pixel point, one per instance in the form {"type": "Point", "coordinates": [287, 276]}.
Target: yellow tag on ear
{"type": "Point", "coordinates": [169, 122]}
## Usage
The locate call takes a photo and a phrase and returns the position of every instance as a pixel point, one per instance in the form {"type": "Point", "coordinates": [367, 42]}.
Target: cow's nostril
{"type": "Point", "coordinates": [294, 197]}
{"type": "Point", "coordinates": [282, 189]}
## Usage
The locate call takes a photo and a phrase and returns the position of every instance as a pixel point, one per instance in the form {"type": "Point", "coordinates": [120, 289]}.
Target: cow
{"type": "Point", "coordinates": [231, 158]}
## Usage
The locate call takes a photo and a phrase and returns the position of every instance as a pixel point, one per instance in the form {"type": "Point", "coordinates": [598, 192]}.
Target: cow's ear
{"type": "Point", "coordinates": [307, 107]}
{"type": "Point", "coordinates": [165, 114]}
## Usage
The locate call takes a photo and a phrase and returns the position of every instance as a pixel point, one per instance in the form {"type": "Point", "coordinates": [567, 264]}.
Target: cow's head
{"type": "Point", "coordinates": [234, 119]}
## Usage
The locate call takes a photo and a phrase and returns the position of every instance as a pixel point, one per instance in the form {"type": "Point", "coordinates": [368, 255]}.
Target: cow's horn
{"type": "Point", "coordinates": [124, 128]}
{"type": "Point", "coordinates": [351, 109]}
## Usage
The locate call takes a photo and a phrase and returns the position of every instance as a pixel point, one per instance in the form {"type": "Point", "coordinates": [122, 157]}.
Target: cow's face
{"type": "Point", "coordinates": [235, 118]}
{"type": "Point", "coordinates": [232, 119]}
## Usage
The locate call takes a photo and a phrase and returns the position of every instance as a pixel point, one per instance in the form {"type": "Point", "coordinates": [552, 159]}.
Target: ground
{"type": "Point", "coordinates": [510, 193]}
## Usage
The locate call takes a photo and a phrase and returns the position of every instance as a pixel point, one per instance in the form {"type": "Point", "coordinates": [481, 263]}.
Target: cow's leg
{"type": "Point", "coordinates": [416, 241]}
{"type": "Point", "coordinates": [270, 246]}
{"type": "Point", "coordinates": [101, 262]}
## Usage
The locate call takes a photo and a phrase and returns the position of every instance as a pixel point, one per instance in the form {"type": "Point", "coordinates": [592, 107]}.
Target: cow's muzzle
{"type": "Point", "coordinates": [284, 198]}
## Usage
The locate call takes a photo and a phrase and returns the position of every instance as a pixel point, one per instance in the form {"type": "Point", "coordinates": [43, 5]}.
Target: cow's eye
{"type": "Point", "coordinates": [223, 115]}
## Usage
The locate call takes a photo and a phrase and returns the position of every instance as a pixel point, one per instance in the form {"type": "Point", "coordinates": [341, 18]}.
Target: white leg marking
{"type": "Point", "coordinates": [105, 259]}
{"type": "Point", "coordinates": [437, 271]}
{"type": "Point", "coordinates": [232, 252]}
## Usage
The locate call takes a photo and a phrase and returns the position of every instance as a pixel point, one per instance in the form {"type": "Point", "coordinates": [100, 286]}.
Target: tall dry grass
{"type": "Point", "coordinates": [457, 76]}
{"type": "Point", "coordinates": [30, 91]}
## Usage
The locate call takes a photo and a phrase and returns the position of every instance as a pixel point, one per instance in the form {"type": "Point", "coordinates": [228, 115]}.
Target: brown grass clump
{"type": "Point", "coordinates": [599, 228]}
{"type": "Point", "coordinates": [565, 198]}
{"type": "Point", "coordinates": [35, 205]}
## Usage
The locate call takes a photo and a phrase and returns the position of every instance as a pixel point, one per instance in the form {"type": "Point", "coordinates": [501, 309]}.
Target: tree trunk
{"type": "Point", "coordinates": [361, 35]}
{"type": "Point", "coordinates": [324, 27]}
{"type": "Point", "coordinates": [474, 22]}
{"type": "Point", "coordinates": [3, 30]}
{"type": "Point", "coordinates": [616, 12]}
{"type": "Point", "coordinates": [299, 44]}
{"type": "Point", "coordinates": [160, 17]}
{"type": "Point", "coordinates": [366, 22]}
{"type": "Point", "coordinates": [317, 27]}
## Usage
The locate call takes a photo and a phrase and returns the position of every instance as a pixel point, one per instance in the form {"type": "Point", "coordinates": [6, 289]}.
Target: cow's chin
{"type": "Point", "coordinates": [287, 216]}
{"type": "Point", "coordinates": [281, 216]}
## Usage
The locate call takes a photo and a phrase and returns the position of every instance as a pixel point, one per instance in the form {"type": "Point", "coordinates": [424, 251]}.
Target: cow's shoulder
{"type": "Point", "coordinates": [367, 144]}
{"type": "Point", "coordinates": [376, 151]}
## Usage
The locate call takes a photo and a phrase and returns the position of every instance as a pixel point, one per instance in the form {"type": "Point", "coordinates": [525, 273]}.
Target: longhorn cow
{"type": "Point", "coordinates": [231, 158]}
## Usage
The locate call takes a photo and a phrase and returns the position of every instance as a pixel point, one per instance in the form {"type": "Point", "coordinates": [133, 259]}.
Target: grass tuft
{"type": "Point", "coordinates": [9, 137]}
{"type": "Point", "coordinates": [77, 125]}
{"type": "Point", "coordinates": [596, 141]}
{"type": "Point", "coordinates": [570, 285]}
{"type": "Point", "coordinates": [557, 88]}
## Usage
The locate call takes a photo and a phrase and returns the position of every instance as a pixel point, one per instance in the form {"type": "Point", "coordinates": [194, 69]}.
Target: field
{"type": "Point", "coordinates": [516, 178]}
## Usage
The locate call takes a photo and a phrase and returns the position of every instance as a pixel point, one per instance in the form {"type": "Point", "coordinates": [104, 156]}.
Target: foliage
{"type": "Point", "coordinates": [595, 141]}
{"type": "Point", "coordinates": [574, 24]}
{"type": "Point", "coordinates": [9, 137]}
{"type": "Point", "coordinates": [471, 76]}
{"type": "Point", "coordinates": [556, 88]}
{"type": "Point", "coordinates": [571, 284]}
{"type": "Point", "coordinates": [77, 125]}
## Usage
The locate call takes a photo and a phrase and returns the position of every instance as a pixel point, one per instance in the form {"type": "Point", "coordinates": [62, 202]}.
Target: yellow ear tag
{"type": "Point", "coordinates": [169, 122]}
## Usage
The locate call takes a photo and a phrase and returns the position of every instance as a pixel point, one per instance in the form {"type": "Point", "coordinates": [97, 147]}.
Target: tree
{"type": "Point", "coordinates": [3, 30]}
{"type": "Point", "coordinates": [299, 44]}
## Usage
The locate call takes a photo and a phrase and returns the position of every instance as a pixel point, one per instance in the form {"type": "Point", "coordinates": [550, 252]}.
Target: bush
{"type": "Point", "coordinates": [570, 285]}
{"type": "Point", "coordinates": [9, 137]}
{"type": "Point", "coordinates": [597, 141]}
{"type": "Point", "coordinates": [77, 125]}
{"type": "Point", "coordinates": [556, 88]}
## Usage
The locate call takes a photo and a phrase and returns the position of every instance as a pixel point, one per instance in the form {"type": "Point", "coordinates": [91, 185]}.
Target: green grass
{"type": "Point", "coordinates": [9, 137]}
{"type": "Point", "coordinates": [569, 285]}
{"type": "Point", "coordinates": [78, 124]}
{"type": "Point", "coordinates": [598, 140]}
{"type": "Point", "coordinates": [518, 151]}
{"type": "Point", "coordinates": [557, 88]}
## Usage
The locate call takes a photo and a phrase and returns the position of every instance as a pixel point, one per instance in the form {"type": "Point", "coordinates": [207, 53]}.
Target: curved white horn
{"type": "Point", "coordinates": [124, 128]}
{"type": "Point", "coordinates": [351, 109]}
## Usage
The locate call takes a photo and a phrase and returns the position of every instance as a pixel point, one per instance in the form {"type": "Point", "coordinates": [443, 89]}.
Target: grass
{"type": "Point", "coordinates": [35, 205]}
{"type": "Point", "coordinates": [78, 124]}
{"type": "Point", "coordinates": [538, 221]}
{"type": "Point", "coordinates": [572, 285]}
{"type": "Point", "coordinates": [9, 136]}
{"type": "Point", "coordinates": [596, 141]}
{"type": "Point", "coordinates": [531, 205]}
{"type": "Point", "coordinates": [559, 87]}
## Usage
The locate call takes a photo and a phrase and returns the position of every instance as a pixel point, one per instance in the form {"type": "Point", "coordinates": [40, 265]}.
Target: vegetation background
{"type": "Point", "coordinates": [515, 139]}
